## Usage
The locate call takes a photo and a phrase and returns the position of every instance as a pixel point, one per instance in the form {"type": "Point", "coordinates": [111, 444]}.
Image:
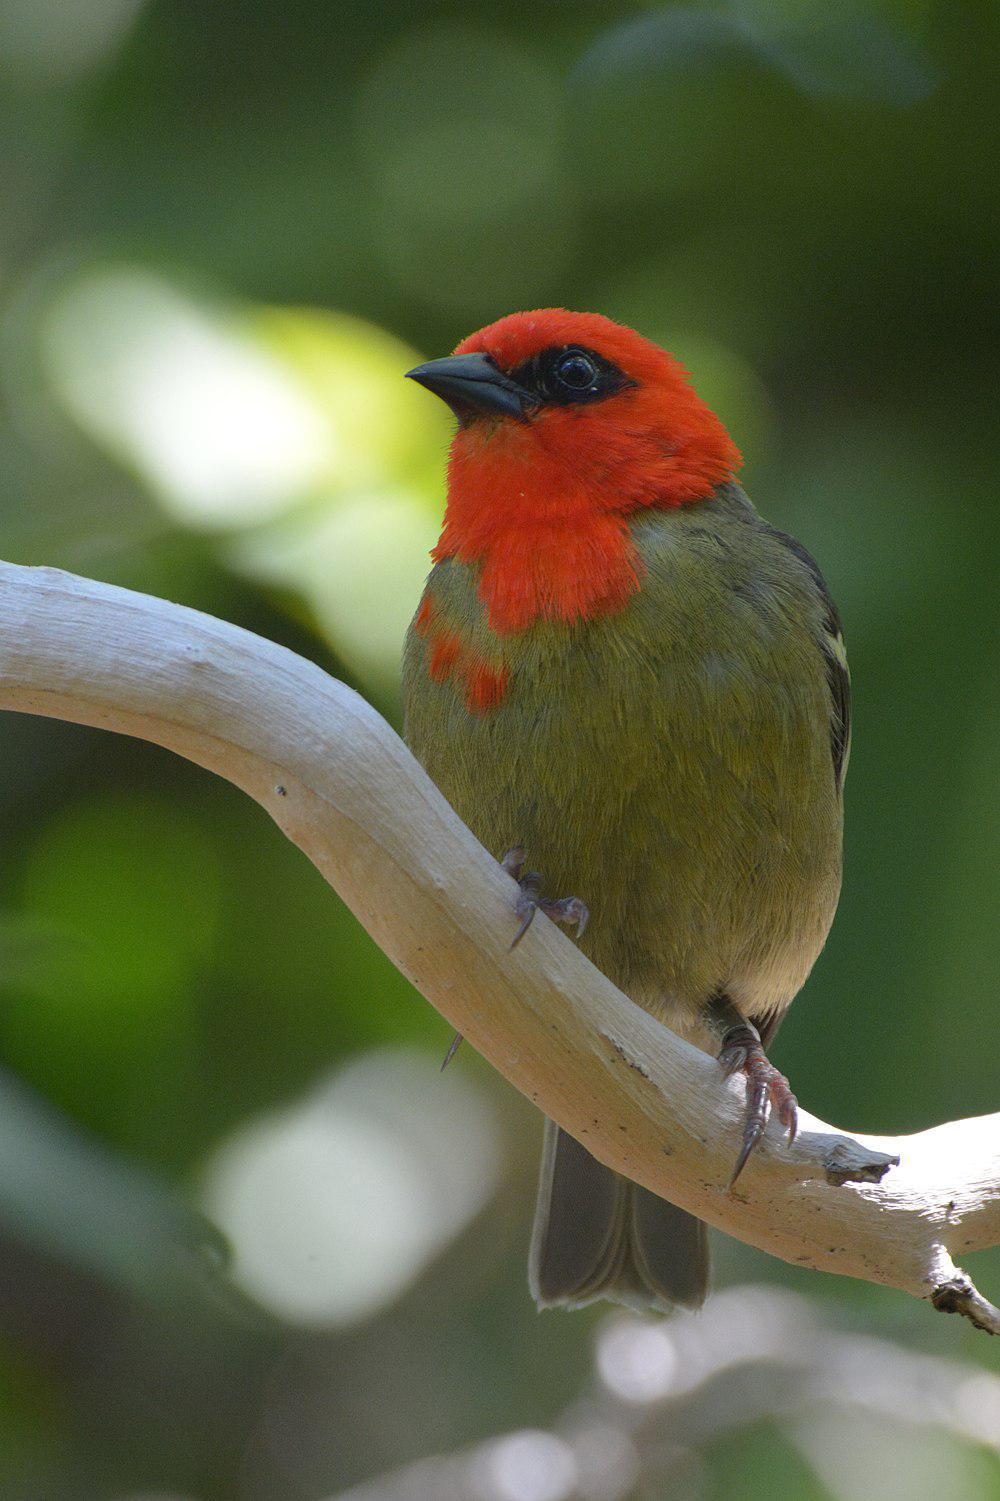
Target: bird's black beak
{"type": "Point", "coordinates": [472, 384]}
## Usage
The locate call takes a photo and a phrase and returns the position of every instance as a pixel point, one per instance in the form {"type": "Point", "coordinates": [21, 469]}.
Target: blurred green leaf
{"type": "Point", "coordinates": [30, 948]}
{"type": "Point", "coordinates": [131, 882]}
{"type": "Point", "coordinates": [71, 1199]}
{"type": "Point", "coordinates": [135, 880]}
{"type": "Point", "coordinates": [845, 52]}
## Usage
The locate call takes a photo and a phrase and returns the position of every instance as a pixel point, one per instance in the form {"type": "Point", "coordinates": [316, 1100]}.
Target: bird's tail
{"type": "Point", "coordinates": [598, 1235]}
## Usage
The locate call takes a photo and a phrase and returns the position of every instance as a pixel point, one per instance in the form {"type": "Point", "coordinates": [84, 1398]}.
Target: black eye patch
{"type": "Point", "coordinates": [568, 374]}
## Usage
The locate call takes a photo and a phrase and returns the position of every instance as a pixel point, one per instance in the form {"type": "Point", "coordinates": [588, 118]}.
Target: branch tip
{"type": "Point", "coordinates": [848, 1161]}
{"type": "Point", "coordinates": [959, 1295]}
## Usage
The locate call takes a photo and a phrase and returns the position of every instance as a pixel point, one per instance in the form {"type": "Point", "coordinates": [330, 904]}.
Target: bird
{"type": "Point", "coordinates": [634, 691]}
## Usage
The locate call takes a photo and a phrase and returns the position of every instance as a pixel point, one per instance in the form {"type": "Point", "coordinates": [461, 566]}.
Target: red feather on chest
{"type": "Point", "coordinates": [482, 683]}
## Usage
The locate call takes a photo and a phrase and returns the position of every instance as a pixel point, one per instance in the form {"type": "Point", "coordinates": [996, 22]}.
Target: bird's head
{"type": "Point", "coordinates": [568, 424]}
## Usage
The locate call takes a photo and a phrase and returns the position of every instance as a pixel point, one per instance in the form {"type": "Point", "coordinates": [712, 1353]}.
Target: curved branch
{"type": "Point", "coordinates": [343, 787]}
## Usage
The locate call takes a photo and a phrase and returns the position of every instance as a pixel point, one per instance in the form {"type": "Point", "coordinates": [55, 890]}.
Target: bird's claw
{"type": "Point", "coordinates": [513, 862]}
{"type": "Point", "coordinates": [530, 901]}
{"type": "Point", "coordinates": [453, 1047]}
{"type": "Point", "coordinates": [743, 1052]}
{"type": "Point", "coordinates": [568, 909]}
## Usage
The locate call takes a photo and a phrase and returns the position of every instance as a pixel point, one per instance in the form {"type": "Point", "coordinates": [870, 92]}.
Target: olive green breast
{"type": "Point", "coordinates": [670, 765]}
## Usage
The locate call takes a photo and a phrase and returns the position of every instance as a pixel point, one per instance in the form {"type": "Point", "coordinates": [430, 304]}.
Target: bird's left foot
{"type": "Point", "coordinates": [568, 909]}
{"type": "Point", "coordinates": [743, 1052]}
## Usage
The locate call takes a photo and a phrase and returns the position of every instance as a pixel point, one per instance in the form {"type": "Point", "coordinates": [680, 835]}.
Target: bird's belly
{"type": "Point", "coordinates": [708, 856]}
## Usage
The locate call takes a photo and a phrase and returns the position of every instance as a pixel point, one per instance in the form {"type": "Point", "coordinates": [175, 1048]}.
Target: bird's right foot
{"type": "Point", "coordinates": [743, 1052]}
{"type": "Point", "coordinates": [567, 909]}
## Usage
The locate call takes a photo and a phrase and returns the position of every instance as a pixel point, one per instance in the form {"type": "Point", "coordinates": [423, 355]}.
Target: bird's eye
{"type": "Point", "coordinates": [577, 371]}
{"type": "Point", "coordinates": [567, 375]}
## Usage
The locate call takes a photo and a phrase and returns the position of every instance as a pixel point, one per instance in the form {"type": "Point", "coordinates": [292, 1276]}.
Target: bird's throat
{"type": "Point", "coordinates": [543, 551]}
{"type": "Point", "coordinates": [570, 574]}
{"type": "Point", "coordinates": [542, 509]}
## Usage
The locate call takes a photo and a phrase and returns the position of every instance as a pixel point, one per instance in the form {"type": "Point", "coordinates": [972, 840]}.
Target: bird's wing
{"type": "Point", "coordinates": [831, 644]}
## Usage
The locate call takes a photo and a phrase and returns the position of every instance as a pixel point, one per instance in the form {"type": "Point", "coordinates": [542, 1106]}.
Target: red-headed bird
{"type": "Point", "coordinates": [622, 677]}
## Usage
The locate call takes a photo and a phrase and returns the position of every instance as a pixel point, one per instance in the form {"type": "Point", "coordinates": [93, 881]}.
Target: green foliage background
{"type": "Point", "coordinates": [802, 201]}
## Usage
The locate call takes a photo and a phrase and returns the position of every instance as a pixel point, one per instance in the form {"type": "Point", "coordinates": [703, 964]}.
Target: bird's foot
{"type": "Point", "coordinates": [568, 909]}
{"type": "Point", "coordinates": [742, 1052]}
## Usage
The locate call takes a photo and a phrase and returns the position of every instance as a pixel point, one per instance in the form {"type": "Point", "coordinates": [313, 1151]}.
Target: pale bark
{"type": "Point", "coordinates": [343, 787]}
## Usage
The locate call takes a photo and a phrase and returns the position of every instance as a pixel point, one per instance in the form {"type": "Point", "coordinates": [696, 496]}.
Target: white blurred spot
{"type": "Point", "coordinates": [361, 567]}
{"type": "Point", "coordinates": [218, 426]}
{"type": "Point", "coordinates": [291, 430]}
{"type": "Point", "coordinates": [977, 1408]}
{"type": "Point", "coordinates": [636, 1361]}
{"type": "Point", "coordinates": [859, 1455]}
{"type": "Point", "coordinates": [335, 1205]}
{"type": "Point", "coordinates": [52, 40]}
{"type": "Point", "coordinates": [750, 1323]}
{"type": "Point", "coordinates": [607, 1461]}
{"type": "Point", "coordinates": [442, 1477]}
{"type": "Point", "coordinates": [526, 1466]}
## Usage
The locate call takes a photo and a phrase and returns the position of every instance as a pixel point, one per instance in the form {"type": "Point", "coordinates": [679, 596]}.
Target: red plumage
{"type": "Point", "coordinates": [542, 504]}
